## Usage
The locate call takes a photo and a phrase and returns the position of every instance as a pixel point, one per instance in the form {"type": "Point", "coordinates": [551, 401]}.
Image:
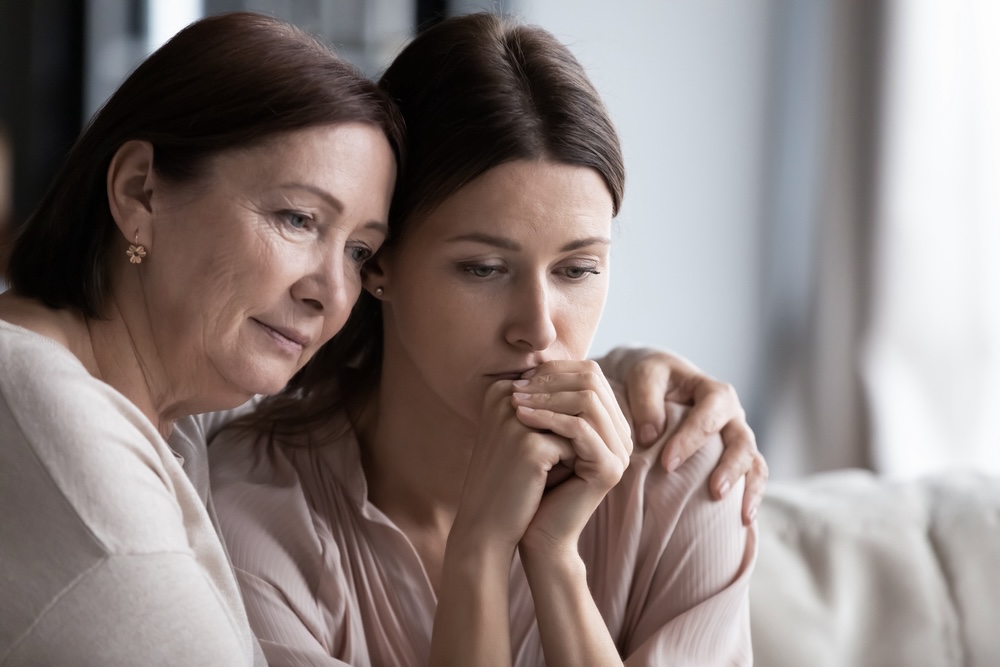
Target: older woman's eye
{"type": "Point", "coordinates": [296, 219]}
{"type": "Point", "coordinates": [360, 254]}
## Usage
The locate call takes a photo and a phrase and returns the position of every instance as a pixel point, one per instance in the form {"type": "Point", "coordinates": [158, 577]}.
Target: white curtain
{"type": "Point", "coordinates": [895, 363]}
{"type": "Point", "coordinates": [931, 357]}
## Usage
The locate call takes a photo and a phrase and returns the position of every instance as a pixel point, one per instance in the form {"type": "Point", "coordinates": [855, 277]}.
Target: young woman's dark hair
{"type": "Point", "coordinates": [474, 92]}
{"type": "Point", "coordinates": [224, 82]}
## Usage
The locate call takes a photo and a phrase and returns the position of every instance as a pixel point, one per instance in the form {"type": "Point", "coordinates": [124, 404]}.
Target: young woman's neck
{"type": "Point", "coordinates": [416, 449]}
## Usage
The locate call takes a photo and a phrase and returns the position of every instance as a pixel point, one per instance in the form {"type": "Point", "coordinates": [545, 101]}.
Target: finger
{"type": "Point", "coordinates": [740, 447]}
{"type": "Point", "coordinates": [716, 405]}
{"type": "Point", "coordinates": [753, 495]}
{"type": "Point", "coordinates": [595, 460]}
{"type": "Point", "coordinates": [594, 405]}
{"type": "Point", "coordinates": [563, 374]}
{"type": "Point", "coordinates": [566, 376]}
{"type": "Point", "coordinates": [584, 404]}
{"type": "Point", "coordinates": [646, 385]}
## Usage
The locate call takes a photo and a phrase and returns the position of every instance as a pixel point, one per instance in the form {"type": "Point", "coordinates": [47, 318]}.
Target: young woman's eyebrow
{"type": "Point", "coordinates": [508, 244]}
{"type": "Point", "coordinates": [487, 239]}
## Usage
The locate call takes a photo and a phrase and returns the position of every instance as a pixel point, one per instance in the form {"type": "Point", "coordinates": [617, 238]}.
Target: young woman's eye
{"type": "Point", "coordinates": [481, 270]}
{"type": "Point", "coordinates": [360, 254]}
{"type": "Point", "coordinates": [578, 272]}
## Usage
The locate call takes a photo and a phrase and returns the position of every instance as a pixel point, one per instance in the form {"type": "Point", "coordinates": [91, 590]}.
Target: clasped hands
{"type": "Point", "coordinates": [553, 444]}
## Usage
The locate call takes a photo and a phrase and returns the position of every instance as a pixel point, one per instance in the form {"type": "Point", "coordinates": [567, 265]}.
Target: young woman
{"type": "Point", "coordinates": [450, 481]}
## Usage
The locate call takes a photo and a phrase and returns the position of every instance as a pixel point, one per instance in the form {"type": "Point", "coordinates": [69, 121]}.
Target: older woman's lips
{"type": "Point", "coordinates": [289, 339]}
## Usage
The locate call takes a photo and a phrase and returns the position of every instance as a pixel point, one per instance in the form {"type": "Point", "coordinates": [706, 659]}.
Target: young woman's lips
{"type": "Point", "coordinates": [507, 375]}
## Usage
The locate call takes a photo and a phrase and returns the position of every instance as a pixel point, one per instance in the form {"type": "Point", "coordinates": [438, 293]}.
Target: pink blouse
{"type": "Point", "coordinates": [328, 579]}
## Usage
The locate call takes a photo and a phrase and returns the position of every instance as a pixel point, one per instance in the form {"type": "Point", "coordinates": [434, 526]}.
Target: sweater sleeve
{"type": "Point", "coordinates": [284, 635]}
{"type": "Point", "coordinates": [670, 565]}
{"type": "Point", "coordinates": [107, 555]}
{"type": "Point", "coordinates": [695, 610]}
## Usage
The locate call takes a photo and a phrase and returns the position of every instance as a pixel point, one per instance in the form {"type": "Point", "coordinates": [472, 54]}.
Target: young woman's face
{"type": "Point", "coordinates": [509, 272]}
{"type": "Point", "coordinates": [253, 267]}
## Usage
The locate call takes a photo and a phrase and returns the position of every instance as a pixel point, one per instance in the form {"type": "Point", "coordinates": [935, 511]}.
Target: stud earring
{"type": "Point", "coordinates": [379, 292]}
{"type": "Point", "coordinates": [135, 251]}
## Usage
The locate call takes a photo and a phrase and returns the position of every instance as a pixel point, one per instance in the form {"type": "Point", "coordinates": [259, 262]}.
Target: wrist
{"type": "Point", "coordinates": [542, 557]}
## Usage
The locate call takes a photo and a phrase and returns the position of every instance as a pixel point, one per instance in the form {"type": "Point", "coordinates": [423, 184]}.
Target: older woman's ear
{"type": "Point", "coordinates": [130, 190]}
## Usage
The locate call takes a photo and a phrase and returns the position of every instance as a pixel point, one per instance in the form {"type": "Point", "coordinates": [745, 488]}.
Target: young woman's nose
{"type": "Point", "coordinates": [531, 322]}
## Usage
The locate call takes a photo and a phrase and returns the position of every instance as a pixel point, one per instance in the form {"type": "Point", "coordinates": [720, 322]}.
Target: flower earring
{"type": "Point", "coordinates": [135, 251]}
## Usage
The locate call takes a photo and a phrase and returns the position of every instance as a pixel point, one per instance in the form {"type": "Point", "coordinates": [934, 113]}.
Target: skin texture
{"type": "Point", "coordinates": [249, 268]}
{"type": "Point", "coordinates": [507, 275]}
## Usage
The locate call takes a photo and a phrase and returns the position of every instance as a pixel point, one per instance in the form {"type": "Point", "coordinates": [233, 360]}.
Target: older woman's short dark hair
{"type": "Point", "coordinates": [223, 82]}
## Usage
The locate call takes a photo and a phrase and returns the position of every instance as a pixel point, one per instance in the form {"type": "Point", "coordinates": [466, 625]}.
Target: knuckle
{"type": "Point", "coordinates": [592, 377]}
{"type": "Point", "coordinates": [760, 466]}
{"type": "Point", "coordinates": [500, 388]}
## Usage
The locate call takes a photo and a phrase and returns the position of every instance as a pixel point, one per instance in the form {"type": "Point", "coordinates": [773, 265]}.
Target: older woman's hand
{"type": "Point", "coordinates": [652, 377]}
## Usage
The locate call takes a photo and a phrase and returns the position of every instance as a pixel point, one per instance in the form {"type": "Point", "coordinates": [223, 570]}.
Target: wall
{"type": "Point", "coordinates": [685, 82]}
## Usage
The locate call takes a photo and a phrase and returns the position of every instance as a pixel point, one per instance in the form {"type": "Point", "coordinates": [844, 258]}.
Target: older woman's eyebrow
{"type": "Point", "coordinates": [378, 226]}
{"type": "Point", "coordinates": [508, 244]}
{"type": "Point", "coordinates": [328, 197]}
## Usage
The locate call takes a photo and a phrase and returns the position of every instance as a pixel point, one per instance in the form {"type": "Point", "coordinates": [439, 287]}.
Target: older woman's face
{"type": "Point", "coordinates": [254, 267]}
{"type": "Point", "coordinates": [509, 272]}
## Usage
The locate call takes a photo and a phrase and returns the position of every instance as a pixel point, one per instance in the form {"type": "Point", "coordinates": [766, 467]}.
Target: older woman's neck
{"type": "Point", "coordinates": [124, 357]}
{"type": "Point", "coordinates": [104, 347]}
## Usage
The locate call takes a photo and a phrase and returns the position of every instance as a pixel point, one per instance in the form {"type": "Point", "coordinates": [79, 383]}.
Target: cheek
{"type": "Point", "coordinates": [581, 315]}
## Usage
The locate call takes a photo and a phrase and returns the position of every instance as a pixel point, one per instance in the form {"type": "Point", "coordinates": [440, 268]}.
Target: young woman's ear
{"type": "Point", "coordinates": [130, 190]}
{"type": "Point", "coordinates": [374, 275]}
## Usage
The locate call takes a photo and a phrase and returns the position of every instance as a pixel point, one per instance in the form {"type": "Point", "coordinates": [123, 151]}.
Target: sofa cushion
{"type": "Point", "coordinates": [856, 570]}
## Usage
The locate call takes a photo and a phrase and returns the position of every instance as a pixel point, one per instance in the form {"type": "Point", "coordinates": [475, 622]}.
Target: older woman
{"type": "Point", "coordinates": [450, 481]}
{"type": "Point", "coordinates": [203, 239]}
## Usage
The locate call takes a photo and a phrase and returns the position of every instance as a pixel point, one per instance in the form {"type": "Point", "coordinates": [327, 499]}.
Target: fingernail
{"type": "Point", "coordinates": [674, 464]}
{"type": "Point", "coordinates": [521, 383]}
{"type": "Point", "coordinates": [753, 513]}
{"type": "Point", "coordinates": [723, 488]}
{"type": "Point", "coordinates": [521, 396]}
{"type": "Point", "coordinates": [530, 373]}
{"type": "Point", "coordinates": [647, 433]}
{"type": "Point", "coordinates": [525, 408]}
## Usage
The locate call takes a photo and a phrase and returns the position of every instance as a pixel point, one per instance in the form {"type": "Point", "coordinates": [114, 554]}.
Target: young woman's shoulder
{"type": "Point", "coordinates": [277, 508]}
{"type": "Point", "coordinates": [668, 565]}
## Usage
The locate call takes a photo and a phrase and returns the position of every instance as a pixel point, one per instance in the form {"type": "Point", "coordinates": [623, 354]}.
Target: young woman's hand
{"type": "Point", "coordinates": [652, 377]}
{"type": "Point", "coordinates": [573, 400]}
{"type": "Point", "coordinates": [508, 473]}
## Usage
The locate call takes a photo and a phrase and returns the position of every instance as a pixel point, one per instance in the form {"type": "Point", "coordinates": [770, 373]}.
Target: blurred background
{"type": "Point", "coordinates": [813, 198]}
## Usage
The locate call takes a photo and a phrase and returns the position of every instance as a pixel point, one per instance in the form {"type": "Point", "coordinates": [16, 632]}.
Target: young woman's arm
{"type": "Point", "coordinates": [670, 566]}
{"type": "Point", "coordinates": [503, 487]}
{"type": "Point", "coordinates": [580, 406]}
